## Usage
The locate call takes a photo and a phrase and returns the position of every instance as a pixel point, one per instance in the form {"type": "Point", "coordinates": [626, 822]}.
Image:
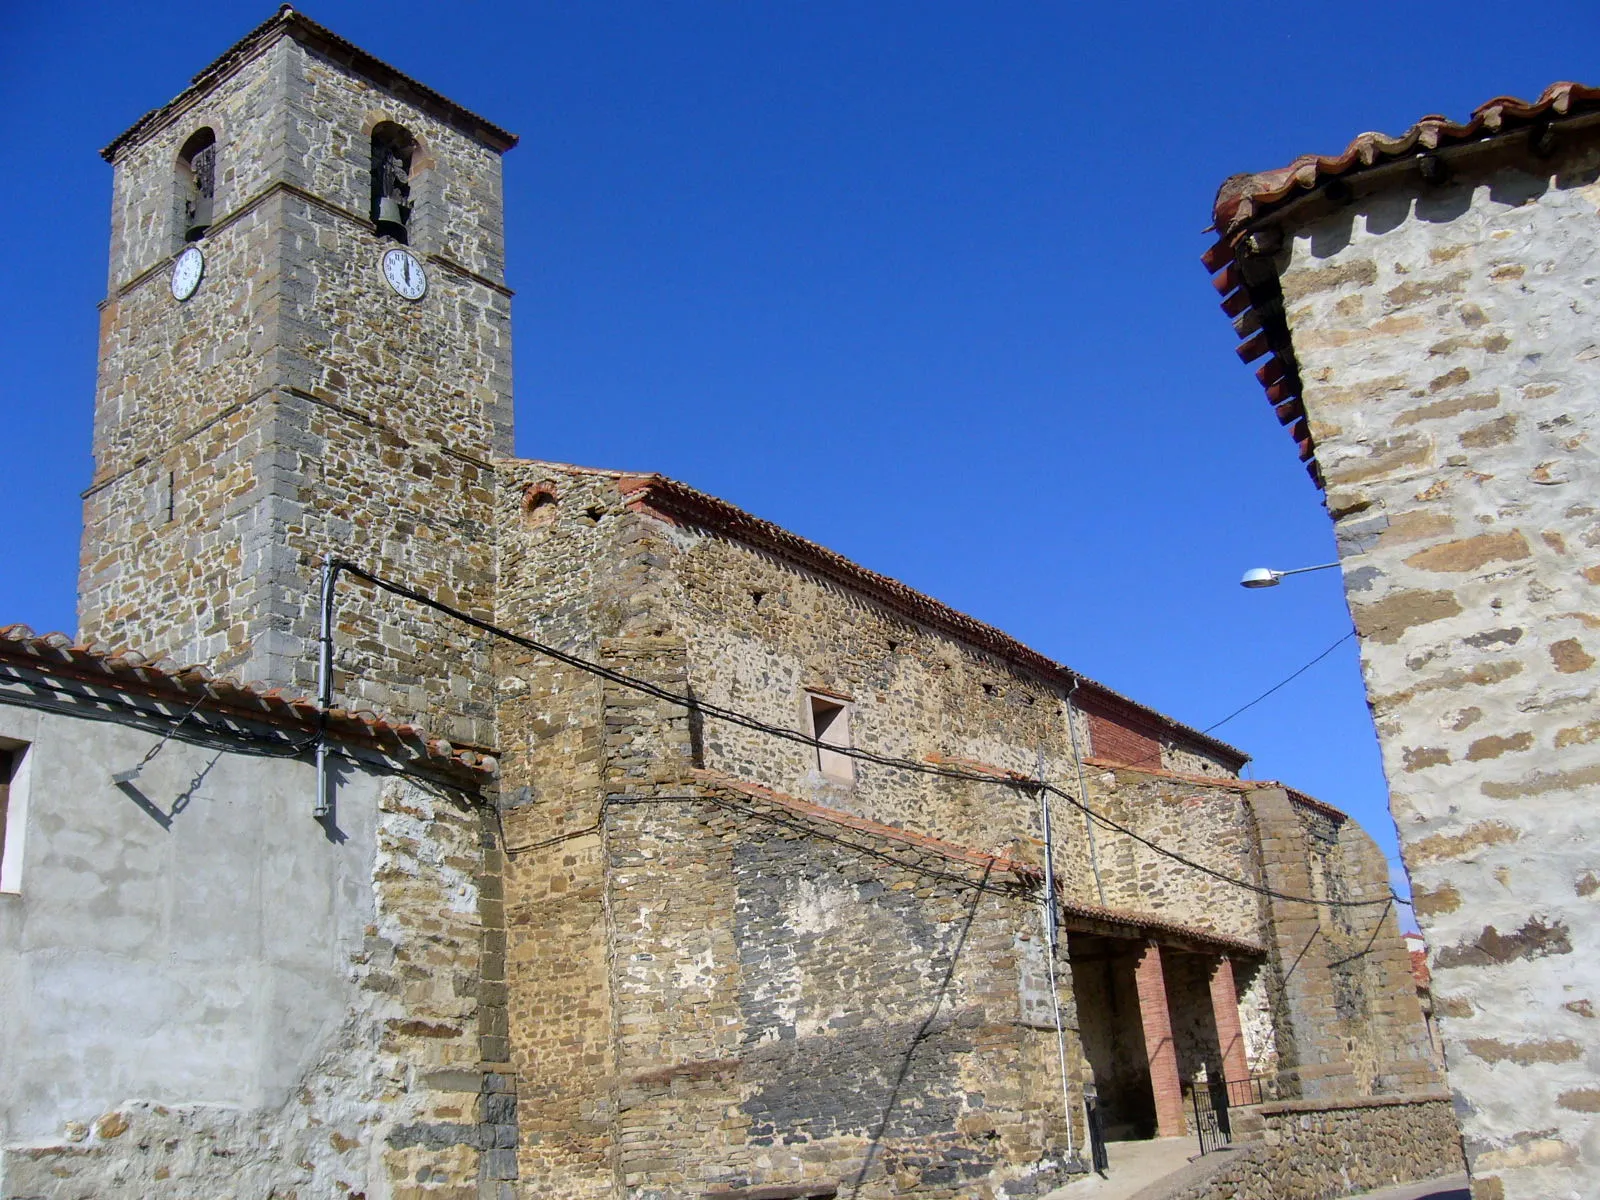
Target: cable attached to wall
{"type": "Point", "coordinates": [334, 567]}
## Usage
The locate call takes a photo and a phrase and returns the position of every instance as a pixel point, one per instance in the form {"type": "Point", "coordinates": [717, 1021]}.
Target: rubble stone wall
{"type": "Point", "coordinates": [1449, 369]}
{"type": "Point", "coordinates": [676, 957]}
{"type": "Point", "coordinates": [1315, 1150]}
{"type": "Point", "coordinates": [1207, 824]}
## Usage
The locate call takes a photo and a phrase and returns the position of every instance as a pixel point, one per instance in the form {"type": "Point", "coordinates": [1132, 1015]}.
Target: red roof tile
{"type": "Point", "coordinates": [950, 851]}
{"type": "Point", "coordinates": [1419, 969]}
{"type": "Point", "coordinates": [287, 22]}
{"type": "Point", "coordinates": [679, 503]}
{"type": "Point", "coordinates": [1244, 202]}
{"type": "Point", "coordinates": [58, 655]}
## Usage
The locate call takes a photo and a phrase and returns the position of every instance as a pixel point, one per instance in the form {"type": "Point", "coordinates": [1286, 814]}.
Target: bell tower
{"type": "Point", "coordinates": [305, 351]}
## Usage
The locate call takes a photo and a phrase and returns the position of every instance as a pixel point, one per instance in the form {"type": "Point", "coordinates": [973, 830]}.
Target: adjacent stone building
{"type": "Point", "coordinates": [207, 993]}
{"type": "Point", "coordinates": [739, 871]}
{"type": "Point", "coordinates": [1421, 307]}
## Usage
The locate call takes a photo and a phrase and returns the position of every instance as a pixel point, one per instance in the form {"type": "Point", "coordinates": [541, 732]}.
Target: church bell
{"type": "Point", "coordinates": [199, 219]}
{"type": "Point", "coordinates": [391, 219]}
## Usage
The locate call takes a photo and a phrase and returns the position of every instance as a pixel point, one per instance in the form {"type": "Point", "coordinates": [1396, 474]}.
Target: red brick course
{"type": "Point", "coordinates": [1160, 1049]}
{"type": "Point", "coordinates": [1225, 1012]}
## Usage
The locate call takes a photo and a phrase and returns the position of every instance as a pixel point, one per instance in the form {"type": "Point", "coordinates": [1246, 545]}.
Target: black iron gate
{"type": "Point", "coordinates": [1211, 1115]}
{"type": "Point", "coordinates": [1211, 1104]}
{"type": "Point", "coordinates": [1097, 1134]}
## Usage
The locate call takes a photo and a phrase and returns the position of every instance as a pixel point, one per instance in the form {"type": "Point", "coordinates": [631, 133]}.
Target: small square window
{"type": "Point", "coordinates": [830, 725]}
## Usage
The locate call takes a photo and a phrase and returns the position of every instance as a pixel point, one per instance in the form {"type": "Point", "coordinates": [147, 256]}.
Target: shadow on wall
{"type": "Point", "coordinates": [921, 1033]}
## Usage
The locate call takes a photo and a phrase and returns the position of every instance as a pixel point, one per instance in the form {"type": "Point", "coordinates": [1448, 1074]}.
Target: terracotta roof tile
{"type": "Point", "coordinates": [58, 655]}
{"type": "Point", "coordinates": [681, 504]}
{"type": "Point", "coordinates": [287, 22]}
{"type": "Point", "coordinates": [1128, 918]}
{"type": "Point", "coordinates": [1419, 969]}
{"type": "Point", "coordinates": [1245, 202]}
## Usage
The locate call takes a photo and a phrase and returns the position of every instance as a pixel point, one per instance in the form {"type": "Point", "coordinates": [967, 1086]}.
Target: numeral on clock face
{"type": "Point", "coordinates": [404, 274]}
{"type": "Point", "coordinates": [186, 273]}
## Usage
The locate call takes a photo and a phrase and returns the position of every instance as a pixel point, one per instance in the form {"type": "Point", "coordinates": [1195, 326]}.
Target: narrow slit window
{"type": "Point", "coordinates": [13, 812]}
{"type": "Point", "coordinates": [830, 725]}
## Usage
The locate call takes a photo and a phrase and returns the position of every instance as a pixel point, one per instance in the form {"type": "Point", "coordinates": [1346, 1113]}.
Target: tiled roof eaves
{"type": "Point", "coordinates": [950, 851]}
{"type": "Point", "coordinates": [678, 502]}
{"type": "Point", "coordinates": [1221, 782]}
{"type": "Point", "coordinates": [55, 654]}
{"type": "Point", "coordinates": [287, 22]}
{"type": "Point", "coordinates": [1239, 261]}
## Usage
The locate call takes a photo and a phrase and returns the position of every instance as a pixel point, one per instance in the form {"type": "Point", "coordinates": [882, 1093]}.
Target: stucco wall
{"type": "Point", "coordinates": [206, 992]}
{"type": "Point", "coordinates": [1448, 353]}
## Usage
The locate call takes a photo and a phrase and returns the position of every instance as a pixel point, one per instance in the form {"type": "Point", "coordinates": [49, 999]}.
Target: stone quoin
{"type": "Point", "coordinates": [1419, 305]}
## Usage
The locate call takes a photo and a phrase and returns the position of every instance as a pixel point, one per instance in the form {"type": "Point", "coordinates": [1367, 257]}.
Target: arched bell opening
{"type": "Point", "coordinates": [392, 151]}
{"type": "Point", "coordinates": [197, 183]}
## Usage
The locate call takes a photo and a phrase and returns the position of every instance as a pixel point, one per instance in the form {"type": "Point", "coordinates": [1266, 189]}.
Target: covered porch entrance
{"type": "Point", "coordinates": [1154, 1019]}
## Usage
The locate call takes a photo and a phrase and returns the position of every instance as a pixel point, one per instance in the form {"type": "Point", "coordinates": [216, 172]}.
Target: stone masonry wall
{"type": "Point", "coordinates": [1208, 824]}
{"type": "Point", "coordinates": [294, 407]}
{"type": "Point", "coordinates": [661, 1036]}
{"type": "Point", "coordinates": [857, 1023]}
{"type": "Point", "coordinates": [673, 958]}
{"type": "Point", "coordinates": [1317, 1151]}
{"type": "Point", "coordinates": [1448, 359]}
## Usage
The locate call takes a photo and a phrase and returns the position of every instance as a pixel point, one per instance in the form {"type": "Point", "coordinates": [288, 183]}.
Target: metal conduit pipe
{"type": "Point", "coordinates": [1052, 933]}
{"type": "Point", "coordinates": [324, 802]}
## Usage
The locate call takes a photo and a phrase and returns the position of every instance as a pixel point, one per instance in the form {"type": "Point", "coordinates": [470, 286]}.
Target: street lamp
{"type": "Point", "coordinates": [1262, 577]}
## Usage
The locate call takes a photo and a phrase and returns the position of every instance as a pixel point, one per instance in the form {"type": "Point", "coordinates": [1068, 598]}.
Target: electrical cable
{"type": "Point", "coordinates": [1154, 760]}
{"type": "Point", "coordinates": [733, 717]}
{"type": "Point", "coordinates": [1287, 680]}
{"type": "Point", "coordinates": [1257, 888]}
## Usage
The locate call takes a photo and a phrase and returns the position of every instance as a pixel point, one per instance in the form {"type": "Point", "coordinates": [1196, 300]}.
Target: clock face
{"type": "Point", "coordinates": [186, 273]}
{"type": "Point", "coordinates": [404, 273]}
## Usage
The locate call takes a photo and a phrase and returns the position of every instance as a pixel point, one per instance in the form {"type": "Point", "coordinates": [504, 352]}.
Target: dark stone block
{"type": "Point", "coordinates": [499, 1108]}
{"type": "Point", "coordinates": [498, 1164]}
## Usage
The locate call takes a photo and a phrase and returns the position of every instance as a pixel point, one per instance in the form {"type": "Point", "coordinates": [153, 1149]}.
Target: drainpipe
{"type": "Point", "coordinates": [324, 803]}
{"type": "Point", "coordinates": [1052, 932]}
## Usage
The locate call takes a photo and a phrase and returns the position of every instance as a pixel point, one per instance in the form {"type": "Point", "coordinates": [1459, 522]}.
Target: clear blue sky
{"type": "Point", "coordinates": [919, 281]}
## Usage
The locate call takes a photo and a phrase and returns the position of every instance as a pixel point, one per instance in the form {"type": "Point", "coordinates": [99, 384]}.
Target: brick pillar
{"type": "Point", "coordinates": [1159, 1047]}
{"type": "Point", "coordinates": [1225, 1013]}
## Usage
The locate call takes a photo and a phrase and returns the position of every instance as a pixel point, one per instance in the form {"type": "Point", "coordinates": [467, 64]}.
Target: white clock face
{"type": "Point", "coordinates": [186, 273]}
{"type": "Point", "coordinates": [404, 273]}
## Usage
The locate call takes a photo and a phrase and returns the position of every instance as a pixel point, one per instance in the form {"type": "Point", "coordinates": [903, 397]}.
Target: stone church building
{"type": "Point", "coordinates": [636, 847]}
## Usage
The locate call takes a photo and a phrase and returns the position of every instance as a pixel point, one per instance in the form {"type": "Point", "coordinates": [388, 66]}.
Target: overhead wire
{"type": "Point", "coordinates": [1288, 679]}
{"type": "Point", "coordinates": [743, 720]}
{"type": "Point", "coordinates": [185, 728]}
